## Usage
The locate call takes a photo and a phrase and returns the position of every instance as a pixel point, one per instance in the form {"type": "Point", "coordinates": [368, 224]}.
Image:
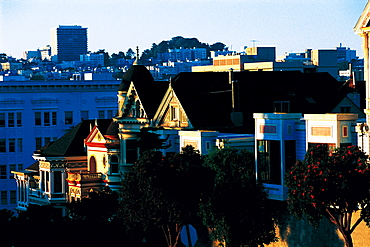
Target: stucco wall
{"type": "Point", "coordinates": [299, 233]}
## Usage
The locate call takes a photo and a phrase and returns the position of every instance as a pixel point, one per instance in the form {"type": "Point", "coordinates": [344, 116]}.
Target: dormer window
{"type": "Point", "coordinates": [281, 106]}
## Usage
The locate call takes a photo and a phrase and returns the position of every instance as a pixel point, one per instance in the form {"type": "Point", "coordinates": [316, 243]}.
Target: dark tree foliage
{"type": "Point", "coordinates": [162, 192]}
{"type": "Point", "coordinates": [236, 208]}
{"type": "Point", "coordinates": [105, 201]}
{"type": "Point", "coordinates": [180, 42]}
{"type": "Point", "coordinates": [331, 184]}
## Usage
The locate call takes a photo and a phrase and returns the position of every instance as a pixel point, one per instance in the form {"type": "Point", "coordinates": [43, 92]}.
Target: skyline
{"type": "Point", "coordinates": [116, 25]}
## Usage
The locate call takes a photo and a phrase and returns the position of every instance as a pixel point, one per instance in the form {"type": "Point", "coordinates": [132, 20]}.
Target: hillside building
{"type": "Point", "coordinates": [68, 42]}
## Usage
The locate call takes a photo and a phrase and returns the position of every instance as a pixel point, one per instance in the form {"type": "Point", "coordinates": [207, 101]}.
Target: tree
{"type": "Point", "coordinates": [162, 192]}
{"type": "Point", "coordinates": [331, 184]}
{"type": "Point", "coordinates": [130, 54]}
{"type": "Point", "coordinates": [236, 208]}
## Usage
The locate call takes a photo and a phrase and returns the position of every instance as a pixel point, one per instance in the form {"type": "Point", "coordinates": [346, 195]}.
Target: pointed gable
{"type": "Point", "coordinates": [143, 99]}
{"type": "Point", "coordinates": [364, 20]}
{"type": "Point", "coordinates": [206, 97]}
{"type": "Point", "coordinates": [104, 131]}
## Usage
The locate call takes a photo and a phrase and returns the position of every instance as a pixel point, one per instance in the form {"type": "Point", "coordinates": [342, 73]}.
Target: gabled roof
{"type": "Point", "coordinates": [364, 19]}
{"type": "Point", "coordinates": [136, 73]}
{"type": "Point", "coordinates": [206, 96]}
{"type": "Point", "coordinates": [71, 143]}
{"type": "Point", "coordinates": [151, 95]}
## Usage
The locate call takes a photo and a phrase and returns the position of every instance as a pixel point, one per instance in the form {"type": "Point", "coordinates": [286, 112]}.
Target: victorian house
{"type": "Point", "coordinates": [202, 109]}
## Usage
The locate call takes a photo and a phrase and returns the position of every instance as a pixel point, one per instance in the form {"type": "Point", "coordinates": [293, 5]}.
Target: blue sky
{"type": "Point", "coordinates": [116, 25]}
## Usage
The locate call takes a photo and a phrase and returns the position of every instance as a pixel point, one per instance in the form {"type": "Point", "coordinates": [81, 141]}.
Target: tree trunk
{"type": "Point", "coordinates": [347, 239]}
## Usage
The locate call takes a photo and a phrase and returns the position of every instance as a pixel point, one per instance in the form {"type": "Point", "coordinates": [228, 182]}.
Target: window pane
{"type": "Point", "coordinates": [2, 119]}
{"type": "Point", "coordinates": [54, 118]}
{"type": "Point", "coordinates": [84, 115]}
{"type": "Point", "coordinates": [47, 140]}
{"type": "Point", "coordinates": [11, 145]}
{"type": "Point", "coordinates": [13, 197]}
{"type": "Point", "coordinates": [10, 119]}
{"type": "Point", "coordinates": [20, 145]}
{"type": "Point", "coordinates": [68, 117]}
{"type": "Point", "coordinates": [3, 174]}
{"type": "Point", "coordinates": [19, 119]}
{"type": "Point", "coordinates": [2, 145]}
{"type": "Point", "coordinates": [38, 118]}
{"type": "Point", "coordinates": [101, 114]}
{"type": "Point", "coordinates": [46, 118]}
{"type": "Point", "coordinates": [57, 181]}
{"type": "Point", "coordinates": [38, 142]}
{"type": "Point", "coordinates": [110, 114]}
{"type": "Point", "coordinates": [12, 168]}
{"type": "Point", "coordinates": [4, 197]}
{"type": "Point", "coordinates": [131, 151]}
{"type": "Point", "coordinates": [269, 166]}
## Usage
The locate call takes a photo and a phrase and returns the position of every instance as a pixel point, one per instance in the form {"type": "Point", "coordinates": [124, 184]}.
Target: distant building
{"type": "Point", "coordinates": [35, 114]}
{"type": "Point", "coordinates": [68, 42]}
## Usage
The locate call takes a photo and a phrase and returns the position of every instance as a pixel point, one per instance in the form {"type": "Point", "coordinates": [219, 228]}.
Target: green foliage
{"type": "Point", "coordinates": [162, 192]}
{"type": "Point", "coordinates": [331, 184]}
{"type": "Point", "coordinates": [236, 206]}
{"type": "Point", "coordinates": [106, 201]}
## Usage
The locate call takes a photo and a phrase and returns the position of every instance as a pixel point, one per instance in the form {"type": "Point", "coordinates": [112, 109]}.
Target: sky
{"type": "Point", "coordinates": [117, 25]}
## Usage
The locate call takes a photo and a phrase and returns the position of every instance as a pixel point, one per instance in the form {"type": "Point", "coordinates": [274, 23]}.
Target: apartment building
{"type": "Point", "coordinates": [35, 114]}
{"type": "Point", "coordinates": [68, 42]}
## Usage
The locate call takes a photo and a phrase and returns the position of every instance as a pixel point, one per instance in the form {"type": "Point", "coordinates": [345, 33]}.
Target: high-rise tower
{"type": "Point", "coordinates": [68, 42]}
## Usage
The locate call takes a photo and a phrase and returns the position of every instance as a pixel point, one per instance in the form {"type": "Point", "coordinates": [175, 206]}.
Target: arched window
{"type": "Point", "coordinates": [92, 164]}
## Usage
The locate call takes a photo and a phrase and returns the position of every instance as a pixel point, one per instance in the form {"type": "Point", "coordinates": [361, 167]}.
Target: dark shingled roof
{"type": "Point", "coordinates": [151, 95]}
{"type": "Point", "coordinates": [136, 73]}
{"type": "Point", "coordinates": [206, 96]}
{"type": "Point", "coordinates": [72, 143]}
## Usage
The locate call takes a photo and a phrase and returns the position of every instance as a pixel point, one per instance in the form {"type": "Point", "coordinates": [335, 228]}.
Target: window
{"type": "Point", "coordinates": [68, 117]}
{"type": "Point", "coordinates": [13, 197]}
{"type": "Point", "coordinates": [38, 118]}
{"type": "Point", "coordinates": [131, 151]}
{"type": "Point", "coordinates": [12, 168]}
{"type": "Point", "coordinates": [38, 141]}
{"type": "Point", "coordinates": [46, 118]}
{"type": "Point", "coordinates": [2, 119]}
{"type": "Point", "coordinates": [174, 113]}
{"type": "Point", "coordinates": [329, 146]}
{"type": "Point", "coordinates": [2, 145]}
{"type": "Point", "coordinates": [84, 115]}
{"type": "Point", "coordinates": [3, 173]}
{"type": "Point", "coordinates": [114, 164]}
{"type": "Point", "coordinates": [281, 106]}
{"type": "Point", "coordinates": [11, 145]}
{"type": "Point", "coordinates": [344, 131]}
{"type": "Point", "coordinates": [4, 197]}
{"type": "Point", "coordinates": [109, 114]}
{"type": "Point", "coordinates": [269, 166]}
{"type": "Point", "coordinates": [54, 118]}
{"type": "Point", "coordinates": [19, 145]}
{"type": "Point", "coordinates": [47, 140]}
{"type": "Point", "coordinates": [19, 119]}
{"type": "Point", "coordinates": [101, 114]}
{"type": "Point", "coordinates": [57, 182]}
{"type": "Point", "coordinates": [208, 145]}
{"type": "Point", "coordinates": [345, 109]}
{"type": "Point", "coordinates": [10, 119]}
{"type": "Point", "coordinates": [20, 167]}
{"type": "Point", "coordinates": [92, 165]}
